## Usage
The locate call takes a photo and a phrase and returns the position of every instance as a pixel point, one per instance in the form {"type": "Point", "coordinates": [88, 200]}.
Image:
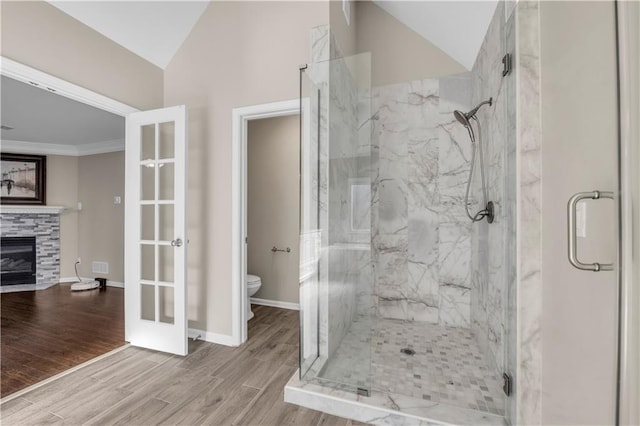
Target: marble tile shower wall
{"type": "Point", "coordinates": [421, 237]}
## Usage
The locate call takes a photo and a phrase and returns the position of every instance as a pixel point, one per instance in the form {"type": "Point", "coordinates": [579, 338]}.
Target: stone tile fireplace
{"type": "Point", "coordinates": [23, 227]}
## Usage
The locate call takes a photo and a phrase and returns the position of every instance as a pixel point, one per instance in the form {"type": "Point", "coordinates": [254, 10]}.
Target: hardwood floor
{"type": "Point", "coordinates": [213, 385]}
{"type": "Point", "coordinates": [48, 331]}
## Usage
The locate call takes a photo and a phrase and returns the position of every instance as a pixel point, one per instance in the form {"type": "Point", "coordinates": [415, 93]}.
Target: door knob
{"type": "Point", "coordinates": [176, 243]}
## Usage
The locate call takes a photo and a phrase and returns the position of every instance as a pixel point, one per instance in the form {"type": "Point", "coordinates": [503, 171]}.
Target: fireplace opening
{"type": "Point", "coordinates": [17, 260]}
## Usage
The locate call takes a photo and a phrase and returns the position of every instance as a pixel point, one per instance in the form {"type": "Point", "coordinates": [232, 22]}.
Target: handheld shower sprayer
{"type": "Point", "coordinates": [465, 120]}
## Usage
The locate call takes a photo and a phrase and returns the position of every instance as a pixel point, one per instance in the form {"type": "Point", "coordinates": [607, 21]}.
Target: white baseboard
{"type": "Point", "coordinates": [207, 336]}
{"type": "Point", "coordinates": [74, 279]}
{"type": "Point", "coordinates": [275, 303]}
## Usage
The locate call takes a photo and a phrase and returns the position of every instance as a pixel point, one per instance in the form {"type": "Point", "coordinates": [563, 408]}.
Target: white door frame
{"type": "Point", "coordinates": [241, 118]}
{"type": "Point", "coordinates": [44, 81]}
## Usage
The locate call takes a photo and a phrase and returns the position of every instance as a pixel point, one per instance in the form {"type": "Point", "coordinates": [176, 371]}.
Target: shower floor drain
{"type": "Point", "coordinates": [407, 351]}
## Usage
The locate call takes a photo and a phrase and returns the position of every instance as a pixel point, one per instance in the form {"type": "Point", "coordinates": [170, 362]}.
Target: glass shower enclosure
{"type": "Point", "coordinates": [400, 293]}
{"type": "Point", "coordinates": [335, 262]}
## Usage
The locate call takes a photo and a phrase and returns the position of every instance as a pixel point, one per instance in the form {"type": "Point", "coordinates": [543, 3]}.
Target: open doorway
{"type": "Point", "coordinates": [77, 227]}
{"type": "Point", "coordinates": [272, 206]}
{"type": "Point", "coordinates": [266, 203]}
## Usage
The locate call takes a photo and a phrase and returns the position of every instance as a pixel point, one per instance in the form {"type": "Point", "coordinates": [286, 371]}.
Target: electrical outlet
{"type": "Point", "coordinates": [79, 205]}
{"type": "Point", "coordinates": [79, 260]}
{"type": "Point", "coordinates": [117, 200]}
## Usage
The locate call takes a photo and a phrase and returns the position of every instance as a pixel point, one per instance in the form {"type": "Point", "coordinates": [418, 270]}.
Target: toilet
{"type": "Point", "coordinates": [253, 285]}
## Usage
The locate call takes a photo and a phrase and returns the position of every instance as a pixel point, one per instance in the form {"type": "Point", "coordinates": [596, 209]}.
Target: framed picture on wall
{"type": "Point", "coordinates": [23, 179]}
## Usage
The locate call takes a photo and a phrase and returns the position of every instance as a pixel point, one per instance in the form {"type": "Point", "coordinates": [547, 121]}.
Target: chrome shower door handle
{"type": "Point", "coordinates": [573, 240]}
{"type": "Point", "coordinates": [176, 243]}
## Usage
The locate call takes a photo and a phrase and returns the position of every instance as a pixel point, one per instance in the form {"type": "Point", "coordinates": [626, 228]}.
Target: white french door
{"type": "Point", "coordinates": [155, 230]}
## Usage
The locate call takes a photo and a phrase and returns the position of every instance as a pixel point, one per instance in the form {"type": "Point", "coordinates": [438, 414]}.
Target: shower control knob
{"type": "Point", "coordinates": [176, 243]}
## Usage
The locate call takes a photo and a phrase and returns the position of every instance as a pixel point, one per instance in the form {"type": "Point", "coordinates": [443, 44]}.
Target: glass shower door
{"type": "Point", "coordinates": [309, 223]}
{"type": "Point", "coordinates": [335, 271]}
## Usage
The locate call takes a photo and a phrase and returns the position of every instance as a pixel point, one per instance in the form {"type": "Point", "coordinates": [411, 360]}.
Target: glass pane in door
{"type": "Point", "coordinates": [148, 142]}
{"type": "Point", "coordinates": [165, 300]}
{"type": "Point", "coordinates": [148, 302]}
{"type": "Point", "coordinates": [148, 262]}
{"type": "Point", "coordinates": [147, 222]}
{"type": "Point", "coordinates": [165, 184]}
{"type": "Point", "coordinates": [147, 180]}
{"type": "Point", "coordinates": [165, 222]}
{"type": "Point", "coordinates": [166, 140]}
{"type": "Point", "coordinates": [165, 264]}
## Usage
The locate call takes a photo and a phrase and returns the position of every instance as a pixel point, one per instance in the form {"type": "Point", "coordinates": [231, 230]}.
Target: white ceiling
{"type": "Point", "coordinates": [154, 30]}
{"type": "Point", "coordinates": [41, 117]}
{"type": "Point", "coordinates": [456, 27]}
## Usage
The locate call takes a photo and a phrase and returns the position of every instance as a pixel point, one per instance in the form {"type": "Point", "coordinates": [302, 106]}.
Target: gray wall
{"type": "Point", "coordinates": [101, 222]}
{"type": "Point", "coordinates": [273, 197]}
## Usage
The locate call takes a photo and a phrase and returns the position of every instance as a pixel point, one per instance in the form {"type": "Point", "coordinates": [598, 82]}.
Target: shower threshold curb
{"type": "Point", "coordinates": [382, 409]}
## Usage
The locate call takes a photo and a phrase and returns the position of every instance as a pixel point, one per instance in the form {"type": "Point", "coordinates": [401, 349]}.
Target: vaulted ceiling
{"type": "Point", "coordinates": [155, 30]}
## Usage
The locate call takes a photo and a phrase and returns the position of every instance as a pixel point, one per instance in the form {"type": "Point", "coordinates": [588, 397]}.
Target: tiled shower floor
{"type": "Point", "coordinates": [447, 366]}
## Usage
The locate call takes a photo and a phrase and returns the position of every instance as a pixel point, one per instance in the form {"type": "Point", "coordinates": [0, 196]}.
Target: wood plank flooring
{"type": "Point", "coordinates": [46, 332]}
{"type": "Point", "coordinates": [213, 385]}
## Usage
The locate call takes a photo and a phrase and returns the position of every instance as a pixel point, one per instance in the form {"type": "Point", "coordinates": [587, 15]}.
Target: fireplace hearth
{"type": "Point", "coordinates": [17, 260]}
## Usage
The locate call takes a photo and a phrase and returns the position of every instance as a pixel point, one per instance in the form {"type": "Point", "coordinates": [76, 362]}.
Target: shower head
{"type": "Point", "coordinates": [464, 118]}
{"type": "Point", "coordinates": [461, 117]}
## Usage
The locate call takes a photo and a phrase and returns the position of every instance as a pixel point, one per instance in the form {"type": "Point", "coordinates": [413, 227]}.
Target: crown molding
{"type": "Point", "coordinates": [40, 148]}
{"type": "Point", "coordinates": [101, 147]}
